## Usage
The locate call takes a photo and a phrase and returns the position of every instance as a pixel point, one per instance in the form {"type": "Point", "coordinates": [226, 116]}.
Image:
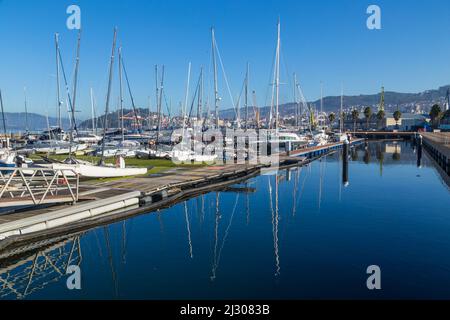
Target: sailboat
{"type": "Point", "coordinates": [183, 151]}
{"type": "Point", "coordinates": [86, 169]}
{"type": "Point", "coordinates": [342, 135]}
{"type": "Point", "coordinates": [8, 157]}
{"type": "Point", "coordinates": [280, 136]}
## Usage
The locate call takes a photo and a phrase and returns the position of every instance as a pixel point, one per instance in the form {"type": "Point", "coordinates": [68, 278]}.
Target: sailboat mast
{"type": "Point", "coordinates": [277, 83]}
{"type": "Point", "coordinates": [75, 84]}
{"type": "Point", "coordinates": [121, 94]}
{"type": "Point", "coordinates": [3, 115]}
{"type": "Point", "coordinates": [341, 120]}
{"type": "Point", "coordinates": [108, 95]}
{"type": "Point", "coordinates": [149, 112]}
{"type": "Point", "coordinates": [216, 91]}
{"type": "Point", "coordinates": [321, 99]}
{"type": "Point", "coordinates": [58, 88]}
{"type": "Point", "coordinates": [246, 95]}
{"type": "Point", "coordinates": [200, 97]}
{"type": "Point", "coordinates": [186, 98]}
{"type": "Point", "coordinates": [255, 109]}
{"type": "Point", "coordinates": [26, 108]}
{"type": "Point", "coordinates": [93, 112]}
{"type": "Point", "coordinates": [160, 93]}
{"type": "Point", "coordinates": [296, 102]}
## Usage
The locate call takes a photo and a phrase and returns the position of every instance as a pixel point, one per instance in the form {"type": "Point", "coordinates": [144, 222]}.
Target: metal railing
{"type": "Point", "coordinates": [36, 186]}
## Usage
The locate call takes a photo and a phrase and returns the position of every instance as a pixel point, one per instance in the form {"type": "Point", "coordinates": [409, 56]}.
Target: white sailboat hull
{"type": "Point", "coordinates": [91, 171]}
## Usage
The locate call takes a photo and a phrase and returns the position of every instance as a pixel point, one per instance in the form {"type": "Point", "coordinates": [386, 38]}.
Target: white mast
{"type": "Point", "coordinates": [200, 98]}
{"type": "Point", "coordinates": [108, 96]}
{"type": "Point", "coordinates": [246, 95]}
{"type": "Point", "coordinates": [297, 113]}
{"type": "Point", "coordinates": [321, 99]}
{"type": "Point", "coordinates": [186, 98]}
{"type": "Point", "coordinates": [92, 111]}
{"type": "Point", "coordinates": [341, 120]}
{"type": "Point", "coordinates": [121, 95]}
{"type": "Point", "coordinates": [216, 91]}
{"type": "Point", "coordinates": [26, 108]}
{"type": "Point", "coordinates": [277, 82]}
{"type": "Point", "coordinates": [58, 89]}
{"type": "Point", "coordinates": [149, 112]}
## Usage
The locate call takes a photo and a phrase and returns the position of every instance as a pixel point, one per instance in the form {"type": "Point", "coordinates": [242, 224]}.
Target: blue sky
{"type": "Point", "coordinates": [322, 40]}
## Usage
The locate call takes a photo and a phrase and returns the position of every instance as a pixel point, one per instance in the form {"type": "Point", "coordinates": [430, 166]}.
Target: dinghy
{"type": "Point", "coordinates": [88, 170]}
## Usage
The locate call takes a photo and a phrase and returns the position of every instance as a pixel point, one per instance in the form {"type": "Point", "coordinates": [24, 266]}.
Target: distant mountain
{"type": "Point", "coordinates": [17, 122]}
{"type": "Point", "coordinates": [405, 101]}
{"type": "Point", "coordinates": [113, 119]}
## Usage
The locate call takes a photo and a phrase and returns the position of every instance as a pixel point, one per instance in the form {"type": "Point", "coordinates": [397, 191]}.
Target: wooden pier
{"type": "Point", "coordinates": [105, 202]}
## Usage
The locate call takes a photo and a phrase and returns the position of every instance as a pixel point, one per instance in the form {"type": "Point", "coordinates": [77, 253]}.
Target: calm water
{"type": "Point", "coordinates": [301, 233]}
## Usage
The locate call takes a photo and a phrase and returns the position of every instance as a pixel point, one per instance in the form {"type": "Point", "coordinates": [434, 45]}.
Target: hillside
{"type": "Point", "coordinates": [36, 122]}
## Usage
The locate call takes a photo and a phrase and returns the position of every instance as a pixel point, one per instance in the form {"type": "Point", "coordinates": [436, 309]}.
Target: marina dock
{"type": "Point", "coordinates": [437, 144]}
{"type": "Point", "coordinates": [108, 201]}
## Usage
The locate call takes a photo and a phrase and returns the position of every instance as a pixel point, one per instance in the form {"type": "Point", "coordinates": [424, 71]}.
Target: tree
{"type": "Point", "coordinates": [355, 116]}
{"type": "Point", "coordinates": [446, 114]}
{"type": "Point", "coordinates": [435, 114]}
{"type": "Point", "coordinates": [342, 119]}
{"type": "Point", "coordinates": [331, 118]}
{"type": "Point", "coordinates": [380, 116]}
{"type": "Point", "coordinates": [397, 117]}
{"type": "Point", "coordinates": [368, 114]}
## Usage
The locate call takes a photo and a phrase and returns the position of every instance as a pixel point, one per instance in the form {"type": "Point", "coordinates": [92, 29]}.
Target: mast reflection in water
{"type": "Point", "coordinates": [296, 233]}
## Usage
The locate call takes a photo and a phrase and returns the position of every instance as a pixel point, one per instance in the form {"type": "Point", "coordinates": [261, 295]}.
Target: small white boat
{"type": "Point", "coordinates": [55, 147]}
{"type": "Point", "coordinates": [88, 170]}
{"type": "Point", "coordinates": [87, 138]}
{"type": "Point", "coordinates": [191, 156]}
{"type": "Point", "coordinates": [75, 148]}
{"type": "Point", "coordinates": [124, 148]}
{"type": "Point", "coordinates": [153, 154]}
{"type": "Point", "coordinates": [9, 159]}
{"type": "Point", "coordinates": [319, 138]}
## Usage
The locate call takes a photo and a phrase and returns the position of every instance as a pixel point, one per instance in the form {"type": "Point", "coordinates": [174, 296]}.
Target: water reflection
{"type": "Point", "coordinates": [284, 235]}
{"type": "Point", "coordinates": [26, 273]}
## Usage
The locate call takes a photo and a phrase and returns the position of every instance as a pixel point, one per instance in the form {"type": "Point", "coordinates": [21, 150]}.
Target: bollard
{"type": "Point", "coordinates": [345, 163]}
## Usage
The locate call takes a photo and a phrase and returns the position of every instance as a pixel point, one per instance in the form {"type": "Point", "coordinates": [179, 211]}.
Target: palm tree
{"type": "Point", "coordinates": [380, 116]}
{"type": "Point", "coordinates": [446, 114]}
{"type": "Point", "coordinates": [368, 114]}
{"type": "Point", "coordinates": [331, 118]}
{"type": "Point", "coordinates": [397, 117]}
{"type": "Point", "coordinates": [342, 119]}
{"type": "Point", "coordinates": [355, 116]}
{"type": "Point", "coordinates": [435, 114]}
